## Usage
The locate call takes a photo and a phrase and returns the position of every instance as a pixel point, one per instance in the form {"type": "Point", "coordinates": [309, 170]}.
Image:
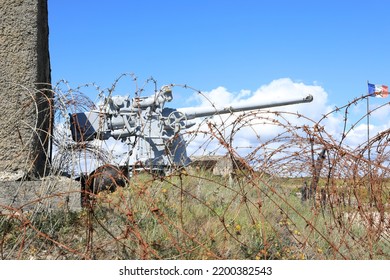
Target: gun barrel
{"type": "Point", "coordinates": [192, 113]}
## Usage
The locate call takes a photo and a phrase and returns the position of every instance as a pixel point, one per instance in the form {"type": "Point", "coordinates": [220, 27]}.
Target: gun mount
{"type": "Point", "coordinates": [151, 130]}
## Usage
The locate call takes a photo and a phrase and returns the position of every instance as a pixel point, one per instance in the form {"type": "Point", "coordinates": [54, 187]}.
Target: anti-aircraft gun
{"type": "Point", "coordinates": [151, 130]}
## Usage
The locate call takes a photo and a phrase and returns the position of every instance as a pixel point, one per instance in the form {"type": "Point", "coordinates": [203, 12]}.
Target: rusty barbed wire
{"type": "Point", "coordinates": [274, 184]}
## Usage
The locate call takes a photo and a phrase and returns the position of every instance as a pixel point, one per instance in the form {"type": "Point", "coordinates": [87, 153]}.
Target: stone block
{"type": "Point", "coordinates": [52, 193]}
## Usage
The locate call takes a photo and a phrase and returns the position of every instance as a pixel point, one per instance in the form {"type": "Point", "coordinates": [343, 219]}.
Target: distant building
{"type": "Point", "coordinates": [218, 165]}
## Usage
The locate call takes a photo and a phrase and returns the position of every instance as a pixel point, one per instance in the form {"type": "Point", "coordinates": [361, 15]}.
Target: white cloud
{"type": "Point", "coordinates": [277, 90]}
{"type": "Point", "coordinates": [220, 96]}
{"type": "Point", "coordinates": [260, 127]}
{"type": "Point", "coordinates": [358, 135]}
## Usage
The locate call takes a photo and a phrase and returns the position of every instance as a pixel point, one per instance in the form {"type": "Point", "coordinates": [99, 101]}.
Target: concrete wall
{"type": "Point", "coordinates": [219, 165]}
{"type": "Point", "coordinates": [24, 99]}
{"type": "Point", "coordinates": [48, 194]}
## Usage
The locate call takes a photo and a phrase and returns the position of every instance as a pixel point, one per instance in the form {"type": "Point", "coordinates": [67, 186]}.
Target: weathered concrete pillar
{"type": "Point", "coordinates": [25, 97]}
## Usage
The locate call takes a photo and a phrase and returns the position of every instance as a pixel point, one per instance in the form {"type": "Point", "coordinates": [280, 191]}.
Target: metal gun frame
{"type": "Point", "coordinates": [151, 130]}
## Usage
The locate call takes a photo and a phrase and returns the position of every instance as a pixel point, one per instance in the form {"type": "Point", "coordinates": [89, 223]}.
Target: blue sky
{"type": "Point", "coordinates": [233, 51]}
{"type": "Point", "coordinates": [243, 44]}
{"type": "Point", "coordinates": [238, 45]}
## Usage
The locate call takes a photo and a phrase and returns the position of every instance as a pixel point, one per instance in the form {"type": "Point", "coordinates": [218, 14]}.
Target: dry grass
{"type": "Point", "coordinates": [193, 214]}
{"type": "Point", "coordinates": [196, 217]}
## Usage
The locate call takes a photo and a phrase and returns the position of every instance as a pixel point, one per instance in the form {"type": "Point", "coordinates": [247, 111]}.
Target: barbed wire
{"type": "Point", "coordinates": [300, 192]}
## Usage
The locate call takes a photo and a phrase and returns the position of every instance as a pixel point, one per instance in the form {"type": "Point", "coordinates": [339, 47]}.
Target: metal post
{"type": "Point", "coordinates": [369, 150]}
